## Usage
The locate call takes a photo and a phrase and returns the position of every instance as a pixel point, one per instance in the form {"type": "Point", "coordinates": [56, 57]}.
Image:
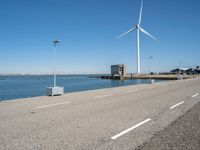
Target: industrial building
{"type": "Point", "coordinates": [118, 70]}
{"type": "Point", "coordinates": [189, 71]}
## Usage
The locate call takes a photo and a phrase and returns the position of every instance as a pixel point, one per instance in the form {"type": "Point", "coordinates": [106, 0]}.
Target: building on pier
{"type": "Point", "coordinates": [118, 70]}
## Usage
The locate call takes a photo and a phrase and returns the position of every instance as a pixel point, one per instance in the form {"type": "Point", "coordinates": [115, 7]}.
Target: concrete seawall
{"type": "Point", "coordinates": [146, 76]}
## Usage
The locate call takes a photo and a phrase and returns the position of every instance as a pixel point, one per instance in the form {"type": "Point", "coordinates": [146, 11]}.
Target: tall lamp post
{"type": "Point", "coordinates": [179, 70]}
{"type": "Point", "coordinates": [54, 45]}
{"type": "Point", "coordinates": [150, 58]}
{"type": "Point", "coordinates": [55, 90]}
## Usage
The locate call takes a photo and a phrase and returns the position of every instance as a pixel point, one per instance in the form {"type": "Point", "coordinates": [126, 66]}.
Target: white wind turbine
{"type": "Point", "coordinates": [138, 28]}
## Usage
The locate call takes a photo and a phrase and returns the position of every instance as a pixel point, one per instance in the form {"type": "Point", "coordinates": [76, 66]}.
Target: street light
{"type": "Point", "coordinates": [179, 70]}
{"type": "Point", "coordinates": [55, 90]}
{"type": "Point", "coordinates": [150, 58]}
{"type": "Point", "coordinates": [54, 45]}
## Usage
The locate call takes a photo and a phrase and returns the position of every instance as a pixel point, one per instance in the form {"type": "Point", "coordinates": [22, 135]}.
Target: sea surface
{"type": "Point", "coordinates": [15, 87]}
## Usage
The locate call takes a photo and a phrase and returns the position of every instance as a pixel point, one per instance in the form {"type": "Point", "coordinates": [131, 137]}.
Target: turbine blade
{"type": "Point", "coordinates": [140, 17]}
{"type": "Point", "coordinates": [145, 32]}
{"type": "Point", "coordinates": [125, 33]}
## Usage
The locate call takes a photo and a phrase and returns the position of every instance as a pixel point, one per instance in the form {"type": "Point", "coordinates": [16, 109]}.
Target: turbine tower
{"type": "Point", "coordinates": [138, 29]}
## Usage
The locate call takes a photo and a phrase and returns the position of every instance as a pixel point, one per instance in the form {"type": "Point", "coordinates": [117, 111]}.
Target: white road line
{"type": "Point", "coordinates": [174, 106]}
{"type": "Point", "coordinates": [132, 91]}
{"type": "Point", "coordinates": [130, 129]}
{"type": "Point", "coordinates": [44, 106]}
{"type": "Point", "coordinates": [102, 96]}
{"type": "Point", "coordinates": [195, 95]}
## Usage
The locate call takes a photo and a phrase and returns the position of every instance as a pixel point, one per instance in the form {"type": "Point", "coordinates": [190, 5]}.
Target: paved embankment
{"type": "Point", "coordinates": [116, 118]}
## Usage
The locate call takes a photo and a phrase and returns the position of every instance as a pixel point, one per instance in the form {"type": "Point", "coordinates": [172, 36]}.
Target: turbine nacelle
{"type": "Point", "coordinates": [137, 26]}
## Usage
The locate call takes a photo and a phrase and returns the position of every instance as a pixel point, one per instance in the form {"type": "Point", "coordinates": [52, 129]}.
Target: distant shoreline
{"type": "Point", "coordinates": [48, 74]}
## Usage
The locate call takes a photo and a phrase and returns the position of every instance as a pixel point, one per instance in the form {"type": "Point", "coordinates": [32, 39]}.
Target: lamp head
{"type": "Point", "coordinates": [56, 42]}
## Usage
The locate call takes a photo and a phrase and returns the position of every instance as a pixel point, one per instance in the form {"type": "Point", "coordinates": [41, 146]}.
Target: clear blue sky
{"type": "Point", "coordinates": [87, 30]}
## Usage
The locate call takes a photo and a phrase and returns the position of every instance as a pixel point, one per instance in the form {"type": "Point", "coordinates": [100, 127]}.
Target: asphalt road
{"type": "Point", "coordinates": [182, 134]}
{"type": "Point", "coordinates": [118, 118]}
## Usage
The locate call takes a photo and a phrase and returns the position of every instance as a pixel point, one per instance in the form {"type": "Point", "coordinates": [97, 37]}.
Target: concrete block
{"type": "Point", "coordinates": [54, 91]}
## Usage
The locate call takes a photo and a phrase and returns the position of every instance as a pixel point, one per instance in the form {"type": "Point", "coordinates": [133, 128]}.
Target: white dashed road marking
{"type": "Point", "coordinates": [176, 105]}
{"type": "Point", "coordinates": [51, 105]}
{"type": "Point", "coordinates": [130, 129]}
{"type": "Point", "coordinates": [195, 95]}
{"type": "Point", "coordinates": [132, 91]}
{"type": "Point", "coordinates": [102, 96]}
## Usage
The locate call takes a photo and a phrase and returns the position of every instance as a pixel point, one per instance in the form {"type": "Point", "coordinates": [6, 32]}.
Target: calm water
{"type": "Point", "coordinates": [14, 87]}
